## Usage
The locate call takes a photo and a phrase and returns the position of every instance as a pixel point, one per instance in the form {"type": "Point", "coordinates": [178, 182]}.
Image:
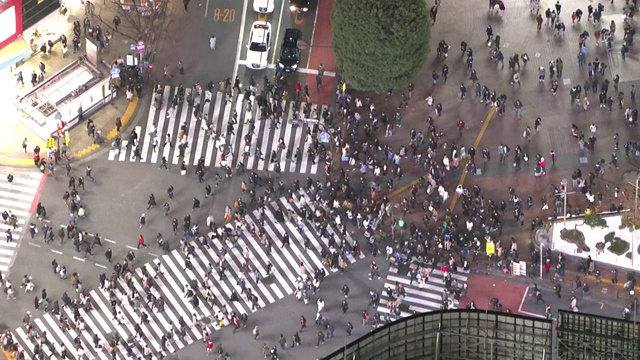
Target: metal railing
{"type": "Point", "coordinates": [455, 334]}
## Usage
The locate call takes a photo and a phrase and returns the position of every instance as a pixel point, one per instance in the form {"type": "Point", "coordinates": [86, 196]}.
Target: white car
{"type": "Point", "coordinates": [263, 6]}
{"type": "Point", "coordinates": [259, 45]}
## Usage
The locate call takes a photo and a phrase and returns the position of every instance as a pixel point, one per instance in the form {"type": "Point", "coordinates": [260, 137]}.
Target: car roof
{"type": "Point", "coordinates": [260, 30]}
{"type": "Point", "coordinates": [292, 34]}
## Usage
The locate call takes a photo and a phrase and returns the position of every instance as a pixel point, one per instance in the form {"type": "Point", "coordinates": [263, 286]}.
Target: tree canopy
{"type": "Point", "coordinates": [142, 20]}
{"type": "Point", "coordinates": [380, 44]}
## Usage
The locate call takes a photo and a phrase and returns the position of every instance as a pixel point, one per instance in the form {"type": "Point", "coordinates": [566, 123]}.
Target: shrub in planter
{"type": "Point", "coordinates": [616, 244]}
{"type": "Point", "coordinates": [595, 220]}
{"type": "Point", "coordinates": [626, 222]}
{"type": "Point", "coordinates": [573, 236]}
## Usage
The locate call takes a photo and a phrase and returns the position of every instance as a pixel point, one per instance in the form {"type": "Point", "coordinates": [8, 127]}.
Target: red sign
{"type": "Point", "coordinates": [11, 16]}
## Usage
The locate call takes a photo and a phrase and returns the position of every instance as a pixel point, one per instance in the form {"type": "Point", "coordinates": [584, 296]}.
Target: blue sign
{"type": "Point", "coordinates": [115, 71]}
{"type": "Point", "coordinates": [132, 46]}
{"type": "Point", "coordinates": [324, 137]}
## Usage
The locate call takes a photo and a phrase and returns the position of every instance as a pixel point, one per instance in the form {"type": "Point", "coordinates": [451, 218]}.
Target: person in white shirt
{"type": "Point", "coordinates": [212, 42]}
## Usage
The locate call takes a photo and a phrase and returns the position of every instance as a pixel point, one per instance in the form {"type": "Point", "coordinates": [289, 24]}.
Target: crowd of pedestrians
{"type": "Point", "coordinates": [355, 203]}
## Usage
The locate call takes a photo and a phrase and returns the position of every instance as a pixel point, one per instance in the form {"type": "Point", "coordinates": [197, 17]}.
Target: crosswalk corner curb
{"type": "Point", "coordinates": [131, 108]}
{"type": "Point", "coordinates": [15, 162]}
{"type": "Point", "coordinates": [7, 354]}
{"type": "Point", "coordinates": [126, 117]}
{"type": "Point", "coordinates": [86, 151]}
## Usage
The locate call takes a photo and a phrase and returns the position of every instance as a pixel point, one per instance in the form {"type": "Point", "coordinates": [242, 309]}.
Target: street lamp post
{"type": "Point", "coordinates": [635, 219]}
{"type": "Point", "coordinates": [541, 264]}
{"type": "Point", "coordinates": [564, 193]}
{"type": "Point", "coordinates": [635, 310]}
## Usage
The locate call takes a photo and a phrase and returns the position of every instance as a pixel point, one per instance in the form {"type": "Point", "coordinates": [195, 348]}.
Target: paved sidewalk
{"type": "Point", "coordinates": [16, 124]}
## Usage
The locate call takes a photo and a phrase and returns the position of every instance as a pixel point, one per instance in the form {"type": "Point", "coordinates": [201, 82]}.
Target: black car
{"type": "Point", "coordinates": [290, 54]}
{"type": "Point", "coordinates": [299, 5]}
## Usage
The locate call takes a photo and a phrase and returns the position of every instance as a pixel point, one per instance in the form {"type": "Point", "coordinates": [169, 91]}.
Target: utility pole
{"type": "Point", "coordinates": [635, 310]}
{"type": "Point", "coordinates": [635, 220]}
{"type": "Point", "coordinates": [541, 264]}
{"type": "Point", "coordinates": [564, 193]}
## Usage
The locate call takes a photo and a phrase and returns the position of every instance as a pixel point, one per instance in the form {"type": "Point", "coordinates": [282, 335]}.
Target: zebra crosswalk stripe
{"type": "Point", "coordinates": [16, 198]}
{"type": "Point", "coordinates": [192, 127]}
{"type": "Point", "coordinates": [211, 141]}
{"type": "Point", "coordinates": [222, 133]}
{"type": "Point", "coordinates": [219, 112]}
{"type": "Point", "coordinates": [170, 276]}
{"type": "Point", "coordinates": [418, 299]}
{"type": "Point", "coordinates": [166, 98]}
{"type": "Point", "coordinates": [257, 122]}
{"type": "Point", "coordinates": [201, 133]}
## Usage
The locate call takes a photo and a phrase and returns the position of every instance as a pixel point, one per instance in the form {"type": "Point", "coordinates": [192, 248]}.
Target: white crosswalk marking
{"type": "Point", "coordinates": [201, 134]}
{"type": "Point", "coordinates": [214, 120]}
{"type": "Point", "coordinates": [245, 257]}
{"type": "Point", "coordinates": [419, 298]}
{"type": "Point", "coordinates": [166, 98]}
{"type": "Point", "coordinates": [217, 111]}
{"type": "Point", "coordinates": [184, 111]}
{"type": "Point", "coordinates": [16, 199]}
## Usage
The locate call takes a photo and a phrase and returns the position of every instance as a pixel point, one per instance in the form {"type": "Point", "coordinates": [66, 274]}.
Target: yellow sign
{"type": "Point", "coordinates": [67, 139]}
{"type": "Point", "coordinates": [50, 144]}
{"type": "Point", "coordinates": [491, 248]}
{"type": "Point", "coordinates": [224, 15]}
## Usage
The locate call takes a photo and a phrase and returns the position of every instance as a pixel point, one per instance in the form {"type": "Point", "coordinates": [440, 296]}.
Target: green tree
{"type": "Point", "coordinates": [380, 44]}
{"type": "Point", "coordinates": [140, 20]}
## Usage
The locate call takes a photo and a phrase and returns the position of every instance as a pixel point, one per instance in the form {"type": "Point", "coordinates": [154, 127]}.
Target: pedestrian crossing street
{"type": "Point", "coordinates": [206, 144]}
{"type": "Point", "coordinates": [418, 299]}
{"type": "Point", "coordinates": [16, 198]}
{"type": "Point", "coordinates": [171, 279]}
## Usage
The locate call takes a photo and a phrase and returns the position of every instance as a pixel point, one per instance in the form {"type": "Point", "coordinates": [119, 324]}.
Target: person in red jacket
{"type": "Point", "coordinates": [141, 241]}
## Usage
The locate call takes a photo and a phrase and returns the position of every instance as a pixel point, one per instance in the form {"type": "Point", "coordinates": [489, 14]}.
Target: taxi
{"type": "Point", "coordinates": [259, 45]}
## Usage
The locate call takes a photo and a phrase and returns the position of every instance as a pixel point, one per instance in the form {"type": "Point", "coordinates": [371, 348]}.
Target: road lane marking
{"type": "Point", "coordinates": [273, 55]}
{"type": "Point", "coordinates": [240, 38]}
{"type": "Point", "coordinates": [454, 200]}
{"type": "Point", "coordinates": [56, 251]}
{"type": "Point", "coordinates": [34, 244]}
{"type": "Point", "coordinates": [485, 125]}
{"type": "Point", "coordinates": [313, 33]}
{"type": "Point", "coordinates": [206, 9]}
{"type": "Point", "coordinates": [300, 70]}
{"type": "Point", "coordinates": [79, 259]}
{"type": "Point", "coordinates": [100, 266]}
